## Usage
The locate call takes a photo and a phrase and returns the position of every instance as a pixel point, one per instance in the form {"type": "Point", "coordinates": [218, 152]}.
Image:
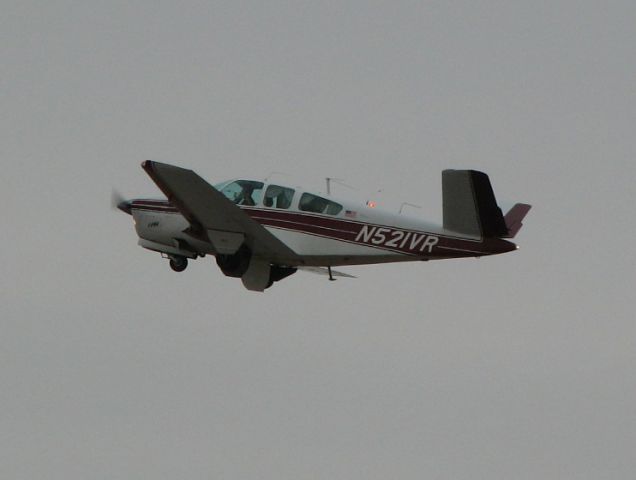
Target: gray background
{"type": "Point", "coordinates": [518, 366]}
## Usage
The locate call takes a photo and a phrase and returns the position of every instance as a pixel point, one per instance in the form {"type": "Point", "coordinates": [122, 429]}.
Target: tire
{"type": "Point", "coordinates": [178, 263]}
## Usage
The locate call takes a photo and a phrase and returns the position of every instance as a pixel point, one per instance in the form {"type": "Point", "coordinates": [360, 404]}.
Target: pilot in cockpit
{"type": "Point", "coordinates": [245, 197]}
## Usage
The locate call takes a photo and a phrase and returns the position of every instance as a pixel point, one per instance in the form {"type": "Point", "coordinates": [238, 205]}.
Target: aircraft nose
{"type": "Point", "coordinates": [117, 201]}
{"type": "Point", "coordinates": [125, 206]}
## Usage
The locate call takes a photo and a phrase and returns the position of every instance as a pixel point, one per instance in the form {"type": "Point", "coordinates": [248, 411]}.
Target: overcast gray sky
{"type": "Point", "coordinates": [517, 366]}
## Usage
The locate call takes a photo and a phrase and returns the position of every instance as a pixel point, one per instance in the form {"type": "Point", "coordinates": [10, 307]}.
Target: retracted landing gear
{"type": "Point", "coordinates": [178, 263]}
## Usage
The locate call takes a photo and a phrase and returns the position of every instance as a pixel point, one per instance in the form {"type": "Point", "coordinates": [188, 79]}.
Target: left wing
{"type": "Point", "coordinates": [213, 217]}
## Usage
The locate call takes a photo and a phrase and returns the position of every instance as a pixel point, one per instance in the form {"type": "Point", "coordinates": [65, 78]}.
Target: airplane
{"type": "Point", "coordinates": [263, 232]}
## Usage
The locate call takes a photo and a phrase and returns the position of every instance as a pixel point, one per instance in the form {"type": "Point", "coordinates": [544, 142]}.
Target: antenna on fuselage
{"type": "Point", "coordinates": [407, 204]}
{"type": "Point", "coordinates": [339, 181]}
{"type": "Point", "coordinates": [331, 279]}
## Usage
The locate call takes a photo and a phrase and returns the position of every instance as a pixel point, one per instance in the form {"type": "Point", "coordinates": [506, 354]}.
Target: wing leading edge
{"type": "Point", "coordinates": [213, 217]}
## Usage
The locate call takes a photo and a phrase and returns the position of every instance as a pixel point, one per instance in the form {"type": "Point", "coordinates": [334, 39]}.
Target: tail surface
{"type": "Point", "coordinates": [470, 207]}
{"type": "Point", "coordinates": [514, 218]}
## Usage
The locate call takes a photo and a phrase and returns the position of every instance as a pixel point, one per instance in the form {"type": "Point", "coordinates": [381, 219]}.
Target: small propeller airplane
{"type": "Point", "coordinates": [263, 232]}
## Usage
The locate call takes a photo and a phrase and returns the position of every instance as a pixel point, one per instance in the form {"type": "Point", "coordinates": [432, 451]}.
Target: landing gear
{"type": "Point", "coordinates": [178, 263]}
{"type": "Point", "coordinates": [331, 279]}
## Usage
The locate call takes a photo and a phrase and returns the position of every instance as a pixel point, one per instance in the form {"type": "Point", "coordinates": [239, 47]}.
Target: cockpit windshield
{"type": "Point", "coordinates": [242, 192]}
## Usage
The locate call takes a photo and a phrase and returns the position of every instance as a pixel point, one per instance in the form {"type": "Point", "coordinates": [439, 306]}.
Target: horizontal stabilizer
{"type": "Point", "coordinates": [514, 217]}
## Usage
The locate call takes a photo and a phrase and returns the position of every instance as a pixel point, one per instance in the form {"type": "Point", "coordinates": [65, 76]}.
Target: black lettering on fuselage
{"type": "Point", "coordinates": [397, 239]}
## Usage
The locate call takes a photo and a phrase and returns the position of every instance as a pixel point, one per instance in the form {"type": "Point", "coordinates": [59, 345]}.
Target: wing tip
{"type": "Point", "coordinates": [147, 165]}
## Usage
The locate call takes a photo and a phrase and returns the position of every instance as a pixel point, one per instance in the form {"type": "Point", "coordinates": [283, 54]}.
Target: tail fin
{"type": "Point", "coordinates": [470, 207]}
{"type": "Point", "coordinates": [514, 217]}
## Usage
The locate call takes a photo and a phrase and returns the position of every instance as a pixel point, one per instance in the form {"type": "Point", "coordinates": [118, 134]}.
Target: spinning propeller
{"type": "Point", "coordinates": [118, 201]}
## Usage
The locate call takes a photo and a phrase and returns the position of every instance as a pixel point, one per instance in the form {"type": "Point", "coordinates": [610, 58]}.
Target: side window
{"type": "Point", "coordinates": [243, 192]}
{"type": "Point", "coordinates": [278, 197]}
{"type": "Point", "coordinates": [313, 203]}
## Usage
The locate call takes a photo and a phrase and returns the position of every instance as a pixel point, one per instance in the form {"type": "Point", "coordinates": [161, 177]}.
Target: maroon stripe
{"type": "Point", "coordinates": [152, 202]}
{"type": "Point", "coordinates": [159, 206]}
{"type": "Point", "coordinates": [399, 240]}
{"type": "Point", "coordinates": [154, 209]}
{"type": "Point", "coordinates": [330, 222]}
{"type": "Point", "coordinates": [410, 242]}
{"type": "Point", "coordinates": [314, 219]}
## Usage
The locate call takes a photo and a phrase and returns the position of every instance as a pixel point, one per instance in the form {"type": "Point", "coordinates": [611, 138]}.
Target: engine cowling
{"type": "Point", "coordinates": [235, 265]}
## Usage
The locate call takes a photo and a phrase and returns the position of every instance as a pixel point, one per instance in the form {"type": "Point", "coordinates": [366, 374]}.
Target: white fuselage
{"type": "Point", "coordinates": [357, 234]}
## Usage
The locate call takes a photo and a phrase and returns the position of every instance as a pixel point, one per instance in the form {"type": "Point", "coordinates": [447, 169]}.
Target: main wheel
{"type": "Point", "coordinates": [178, 263]}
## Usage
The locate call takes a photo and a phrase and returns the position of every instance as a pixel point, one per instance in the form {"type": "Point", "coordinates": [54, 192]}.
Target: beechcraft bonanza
{"type": "Point", "coordinates": [263, 232]}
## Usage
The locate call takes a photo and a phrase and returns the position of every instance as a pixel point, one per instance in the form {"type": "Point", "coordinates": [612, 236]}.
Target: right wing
{"type": "Point", "coordinates": [213, 217]}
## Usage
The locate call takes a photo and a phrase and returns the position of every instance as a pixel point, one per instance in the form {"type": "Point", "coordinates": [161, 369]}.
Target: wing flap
{"type": "Point", "coordinates": [226, 242]}
{"type": "Point", "coordinates": [212, 215]}
{"type": "Point", "coordinates": [324, 271]}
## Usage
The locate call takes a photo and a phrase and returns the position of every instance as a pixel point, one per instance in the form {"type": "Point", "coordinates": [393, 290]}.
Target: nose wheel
{"type": "Point", "coordinates": [178, 263]}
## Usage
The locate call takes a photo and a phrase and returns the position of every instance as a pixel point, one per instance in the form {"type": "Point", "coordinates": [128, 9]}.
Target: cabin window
{"type": "Point", "coordinates": [313, 203]}
{"type": "Point", "coordinates": [243, 192]}
{"type": "Point", "coordinates": [278, 197]}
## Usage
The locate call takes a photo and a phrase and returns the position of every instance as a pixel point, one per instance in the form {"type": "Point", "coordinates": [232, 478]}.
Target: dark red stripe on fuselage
{"type": "Point", "coordinates": [378, 236]}
{"type": "Point", "coordinates": [162, 206]}
{"type": "Point", "coordinates": [399, 240]}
